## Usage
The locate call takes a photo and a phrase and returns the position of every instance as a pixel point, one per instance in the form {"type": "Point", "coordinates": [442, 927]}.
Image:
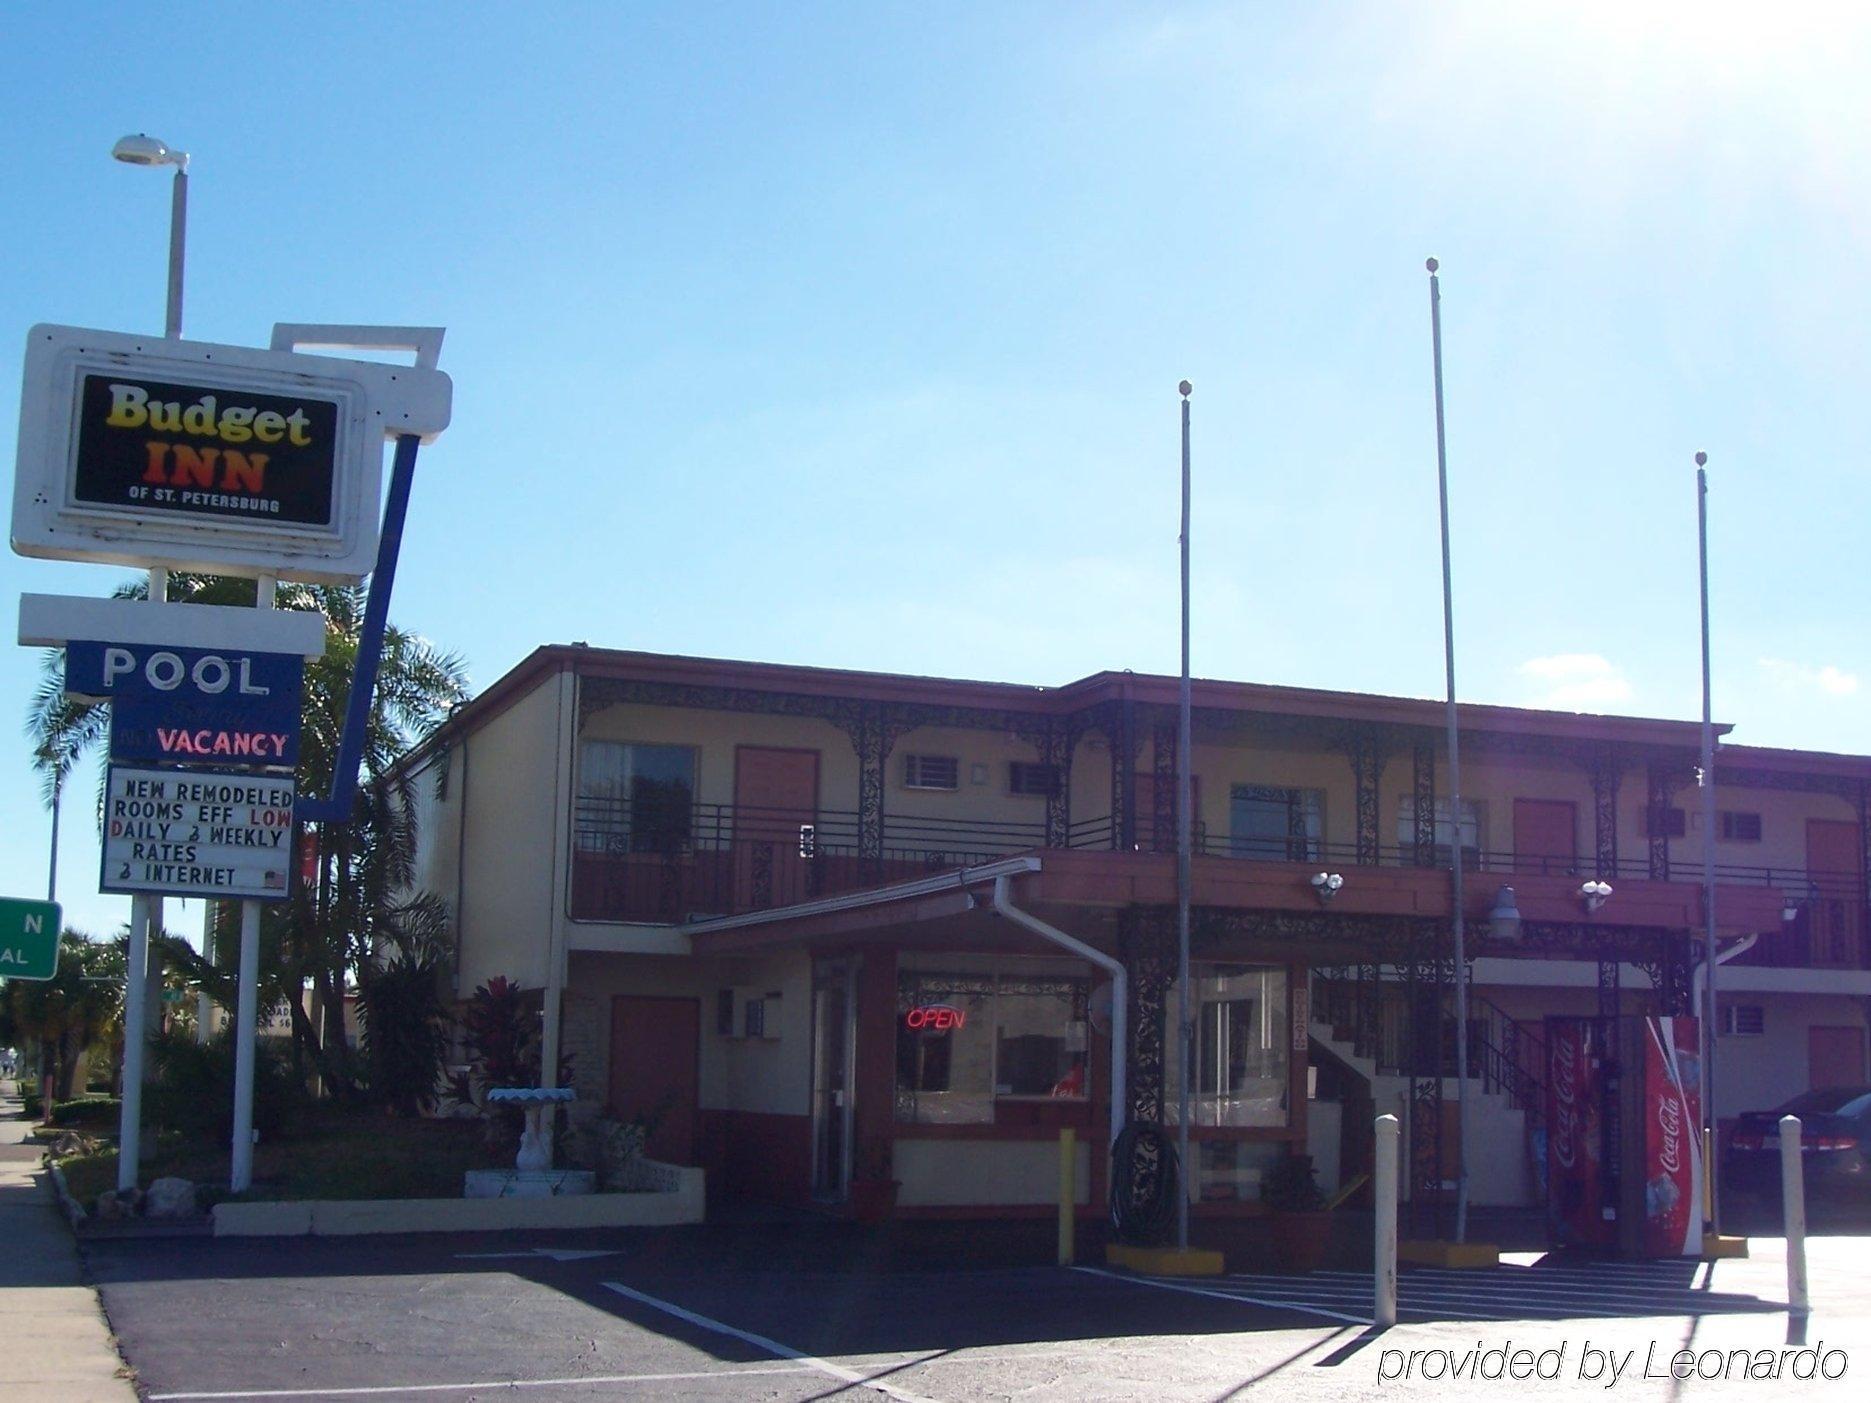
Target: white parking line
{"type": "Point", "coordinates": [1225, 1295]}
{"type": "Point", "coordinates": [379, 1390]}
{"type": "Point", "coordinates": [771, 1346]}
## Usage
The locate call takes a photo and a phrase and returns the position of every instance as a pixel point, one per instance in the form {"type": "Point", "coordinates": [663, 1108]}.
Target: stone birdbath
{"type": "Point", "coordinates": [532, 1175]}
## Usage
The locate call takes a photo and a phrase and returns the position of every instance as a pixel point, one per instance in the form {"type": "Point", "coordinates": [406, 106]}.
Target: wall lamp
{"type": "Point", "coordinates": [1504, 919]}
{"type": "Point", "coordinates": [1594, 894]}
{"type": "Point", "coordinates": [1325, 885]}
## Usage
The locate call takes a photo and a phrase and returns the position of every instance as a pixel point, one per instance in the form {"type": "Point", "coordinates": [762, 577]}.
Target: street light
{"type": "Point", "coordinates": [142, 150]}
{"type": "Point", "coordinates": [146, 911]}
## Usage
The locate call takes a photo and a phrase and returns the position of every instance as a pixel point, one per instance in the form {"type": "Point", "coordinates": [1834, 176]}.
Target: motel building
{"type": "Point", "coordinates": [833, 930]}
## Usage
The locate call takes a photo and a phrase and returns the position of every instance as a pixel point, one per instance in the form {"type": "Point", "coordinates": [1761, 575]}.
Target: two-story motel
{"type": "Point", "coordinates": [833, 927]}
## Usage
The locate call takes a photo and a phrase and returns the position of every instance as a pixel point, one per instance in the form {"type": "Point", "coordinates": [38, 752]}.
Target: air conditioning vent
{"type": "Point", "coordinates": [931, 772]}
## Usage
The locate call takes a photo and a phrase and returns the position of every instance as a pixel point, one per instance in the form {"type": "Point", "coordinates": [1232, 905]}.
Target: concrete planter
{"type": "Point", "coordinates": [678, 1197]}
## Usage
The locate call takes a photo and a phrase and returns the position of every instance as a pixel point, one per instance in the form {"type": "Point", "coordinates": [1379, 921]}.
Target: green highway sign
{"type": "Point", "coordinates": [28, 939]}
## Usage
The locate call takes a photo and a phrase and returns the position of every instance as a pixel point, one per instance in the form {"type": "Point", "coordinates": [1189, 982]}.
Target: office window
{"type": "Point", "coordinates": [1268, 822]}
{"type": "Point", "coordinates": [1026, 777]}
{"type": "Point", "coordinates": [1665, 822]}
{"type": "Point", "coordinates": [1740, 827]}
{"type": "Point", "coordinates": [931, 772]}
{"type": "Point", "coordinates": [1243, 1041]}
{"type": "Point", "coordinates": [1474, 826]}
{"type": "Point", "coordinates": [973, 1030]}
{"type": "Point", "coordinates": [634, 798]}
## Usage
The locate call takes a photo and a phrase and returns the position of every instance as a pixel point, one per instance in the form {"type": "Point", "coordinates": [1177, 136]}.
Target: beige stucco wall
{"type": "Point", "coordinates": [502, 887]}
{"type": "Point", "coordinates": [715, 734]}
{"type": "Point", "coordinates": [948, 1173]}
{"type": "Point", "coordinates": [737, 1074]}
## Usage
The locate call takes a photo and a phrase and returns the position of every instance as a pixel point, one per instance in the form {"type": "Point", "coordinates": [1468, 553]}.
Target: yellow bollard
{"type": "Point", "coordinates": [1068, 1192]}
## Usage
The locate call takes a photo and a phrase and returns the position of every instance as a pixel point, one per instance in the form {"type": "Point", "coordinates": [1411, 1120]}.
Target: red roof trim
{"type": "Point", "coordinates": [1476, 718]}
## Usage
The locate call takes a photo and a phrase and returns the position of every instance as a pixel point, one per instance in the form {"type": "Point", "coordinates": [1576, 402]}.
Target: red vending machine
{"type": "Point", "coordinates": [1623, 1135]}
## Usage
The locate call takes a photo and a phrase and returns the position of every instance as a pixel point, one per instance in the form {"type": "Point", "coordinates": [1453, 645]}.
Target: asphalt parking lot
{"type": "Point", "coordinates": [771, 1312]}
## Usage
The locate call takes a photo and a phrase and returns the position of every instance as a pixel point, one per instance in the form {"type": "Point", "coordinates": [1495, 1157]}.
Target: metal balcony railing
{"type": "Point", "coordinates": [659, 862]}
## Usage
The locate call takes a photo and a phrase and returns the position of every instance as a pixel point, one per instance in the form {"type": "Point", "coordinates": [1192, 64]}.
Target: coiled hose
{"type": "Point", "coordinates": [1146, 1176]}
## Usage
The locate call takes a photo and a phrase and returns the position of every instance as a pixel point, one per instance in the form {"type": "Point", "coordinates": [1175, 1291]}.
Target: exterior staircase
{"type": "Point", "coordinates": [1364, 1026]}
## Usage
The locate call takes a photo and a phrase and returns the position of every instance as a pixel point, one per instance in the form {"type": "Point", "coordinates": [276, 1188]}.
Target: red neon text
{"type": "Point", "coordinates": [934, 1018]}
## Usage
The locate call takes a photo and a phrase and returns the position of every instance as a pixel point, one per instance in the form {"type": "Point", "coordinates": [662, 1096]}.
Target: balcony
{"type": "Point", "coordinates": [668, 866]}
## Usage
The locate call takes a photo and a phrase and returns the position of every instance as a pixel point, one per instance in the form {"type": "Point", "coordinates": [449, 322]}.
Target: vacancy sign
{"type": "Point", "coordinates": [28, 939]}
{"type": "Point", "coordinates": [192, 706]}
{"type": "Point", "coordinates": [197, 833]}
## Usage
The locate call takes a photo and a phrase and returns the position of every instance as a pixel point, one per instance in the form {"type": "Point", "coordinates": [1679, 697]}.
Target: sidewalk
{"type": "Point", "coordinates": [57, 1344]}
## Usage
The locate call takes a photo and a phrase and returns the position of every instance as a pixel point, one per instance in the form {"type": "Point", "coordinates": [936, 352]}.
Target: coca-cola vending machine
{"type": "Point", "coordinates": [1623, 1135]}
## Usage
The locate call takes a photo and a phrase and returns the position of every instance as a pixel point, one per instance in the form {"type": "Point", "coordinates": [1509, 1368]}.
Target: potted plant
{"type": "Point", "coordinates": [873, 1192]}
{"type": "Point", "coordinates": [1298, 1219]}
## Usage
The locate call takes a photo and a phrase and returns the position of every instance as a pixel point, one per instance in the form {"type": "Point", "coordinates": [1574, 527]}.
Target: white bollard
{"type": "Point", "coordinates": [1793, 1202]}
{"type": "Point", "coordinates": [1384, 1191]}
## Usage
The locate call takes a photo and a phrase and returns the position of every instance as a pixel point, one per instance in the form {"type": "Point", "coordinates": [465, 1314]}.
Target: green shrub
{"type": "Point", "coordinates": [405, 1033]}
{"type": "Point", "coordinates": [87, 1113]}
{"type": "Point", "coordinates": [29, 1103]}
{"type": "Point", "coordinates": [193, 1094]}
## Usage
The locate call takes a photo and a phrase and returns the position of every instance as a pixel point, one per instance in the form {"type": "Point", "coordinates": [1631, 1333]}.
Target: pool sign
{"type": "Point", "coordinates": [192, 706]}
{"type": "Point", "coordinates": [28, 939]}
{"type": "Point", "coordinates": [138, 450]}
{"type": "Point", "coordinates": [197, 833]}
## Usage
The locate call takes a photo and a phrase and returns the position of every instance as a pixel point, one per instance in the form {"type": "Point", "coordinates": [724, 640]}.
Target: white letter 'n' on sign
{"type": "Point", "coordinates": [34, 925]}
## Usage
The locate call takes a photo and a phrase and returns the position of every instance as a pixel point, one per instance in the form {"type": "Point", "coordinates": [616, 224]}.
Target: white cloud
{"type": "Point", "coordinates": [1803, 677]}
{"type": "Point", "coordinates": [1574, 682]}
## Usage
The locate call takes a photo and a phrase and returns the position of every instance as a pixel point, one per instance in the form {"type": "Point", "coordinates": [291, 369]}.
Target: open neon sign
{"type": "Point", "coordinates": [934, 1018]}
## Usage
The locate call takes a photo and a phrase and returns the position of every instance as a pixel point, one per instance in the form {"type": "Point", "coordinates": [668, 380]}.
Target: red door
{"type": "Point", "coordinates": [776, 791]}
{"type": "Point", "coordinates": [1835, 1056]}
{"type": "Point", "coordinates": [1833, 862]}
{"type": "Point", "coordinates": [1546, 836]}
{"type": "Point", "coordinates": [656, 1048]}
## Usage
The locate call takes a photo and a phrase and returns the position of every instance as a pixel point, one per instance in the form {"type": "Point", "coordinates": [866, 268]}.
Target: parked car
{"type": "Point", "coordinates": [1835, 1146]}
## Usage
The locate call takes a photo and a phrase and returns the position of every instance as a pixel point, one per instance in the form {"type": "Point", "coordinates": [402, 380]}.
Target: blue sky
{"type": "Point", "coordinates": [849, 334]}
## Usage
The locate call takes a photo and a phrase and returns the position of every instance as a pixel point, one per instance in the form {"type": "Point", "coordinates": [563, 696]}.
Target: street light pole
{"type": "Point", "coordinates": [1708, 856]}
{"type": "Point", "coordinates": [1455, 796]}
{"type": "Point", "coordinates": [146, 911]}
{"type": "Point", "coordinates": [1185, 1027]}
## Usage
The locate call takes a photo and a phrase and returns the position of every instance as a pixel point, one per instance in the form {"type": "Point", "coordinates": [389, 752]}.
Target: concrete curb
{"type": "Point", "coordinates": [74, 1210]}
{"type": "Point", "coordinates": [683, 1202]}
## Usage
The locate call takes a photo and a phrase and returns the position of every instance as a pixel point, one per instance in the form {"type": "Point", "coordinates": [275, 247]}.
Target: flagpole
{"type": "Point", "coordinates": [1708, 852]}
{"type": "Point", "coordinates": [1185, 1029]}
{"type": "Point", "coordinates": [1455, 789]}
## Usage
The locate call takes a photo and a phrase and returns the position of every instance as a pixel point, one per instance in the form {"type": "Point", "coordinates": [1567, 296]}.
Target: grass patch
{"type": "Point", "coordinates": [328, 1153]}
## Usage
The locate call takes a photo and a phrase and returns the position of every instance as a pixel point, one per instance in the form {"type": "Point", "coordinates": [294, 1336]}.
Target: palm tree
{"type": "Point", "coordinates": [65, 1015]}
{"type": "Point", "coordinates": [359, 907]}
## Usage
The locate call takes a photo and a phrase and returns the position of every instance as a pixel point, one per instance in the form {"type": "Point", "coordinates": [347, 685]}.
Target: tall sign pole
{"type": "Point", "coordinates": [1708, 852]}
{"type": "Point", "coordinates": [146, 911]}
{"type": "Point", "coordinates": [1455, 789]}
{"type": "Point", "coordinates": [1185, 1025]}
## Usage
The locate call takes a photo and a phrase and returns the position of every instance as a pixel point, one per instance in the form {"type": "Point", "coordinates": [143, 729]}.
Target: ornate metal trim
{"type": "Point", "coordinates": [1423, 790]}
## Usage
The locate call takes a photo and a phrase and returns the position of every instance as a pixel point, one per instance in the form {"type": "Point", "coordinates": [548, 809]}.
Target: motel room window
{"type": "Point", "coordinates": [1474, 824]}
{"type": "Point", "coordinates": [634, 798]}
{"type": "Point", "coordinates": [1243, 1042]}
{"type": "Point", "coordinates": [1280, 824]}
{"type": "Point", "coordinates": [976, 1030]}
{"type": "Point", "coordinates": [1027, 777]}
{"type": "Point", "coordinates": [1739, 826]}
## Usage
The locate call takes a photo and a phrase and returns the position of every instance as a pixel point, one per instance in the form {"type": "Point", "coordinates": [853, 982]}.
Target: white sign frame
{"type": "Point", "coordinates": [189, 830]}
{"type": "Point", "coordinates": [375, 401]}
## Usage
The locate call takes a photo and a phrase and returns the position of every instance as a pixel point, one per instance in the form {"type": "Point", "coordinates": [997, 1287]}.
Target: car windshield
{"type": "Point", "coordinates": [1829, 1100]}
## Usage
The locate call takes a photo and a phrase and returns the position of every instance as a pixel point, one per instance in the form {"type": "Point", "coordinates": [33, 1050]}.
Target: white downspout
{"type": "Point", "coordinates": [1120, 989]}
